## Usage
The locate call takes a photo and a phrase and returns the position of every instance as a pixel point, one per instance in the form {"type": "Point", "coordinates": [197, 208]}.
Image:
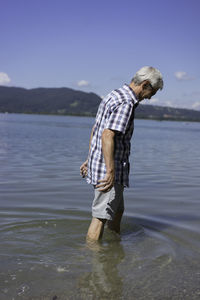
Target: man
{"type": "Point", "coordinates": [107, 166]}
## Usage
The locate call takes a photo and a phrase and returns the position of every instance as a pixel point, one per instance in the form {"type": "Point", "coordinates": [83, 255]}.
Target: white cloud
{"type": "Point", "coordinates": [166, 103]}
{"type": "Point", "coordinates": [158, 102]}
{"type": "Point", "coordinates": [154, 100]}
{"type": "Point", "coordinates": [4, 78]}
{"type": "Point", "coordinates": [181, 75]}
{"type": "Point", "coordinates": [196, 105]}
{"type": "Point", "coordinates": [169, 103]}
{"type": "Point", "coordinates": [82, 83]}
{"type": "Point", "coordinates": [151, 101]}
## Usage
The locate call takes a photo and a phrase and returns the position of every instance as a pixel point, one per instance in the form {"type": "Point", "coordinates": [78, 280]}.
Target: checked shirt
{"type": "Point", "coordinates": [115, 112]}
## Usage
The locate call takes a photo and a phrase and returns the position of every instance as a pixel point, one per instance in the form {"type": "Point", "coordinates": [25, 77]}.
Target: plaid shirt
{"type": "Point", "coordinates": [115, 112]}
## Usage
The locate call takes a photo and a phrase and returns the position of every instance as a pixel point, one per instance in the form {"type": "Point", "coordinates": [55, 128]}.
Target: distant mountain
{"type": "Point", "coordinates": [65, 101]}
{"type": "Point", "coordinates": [48, 101]}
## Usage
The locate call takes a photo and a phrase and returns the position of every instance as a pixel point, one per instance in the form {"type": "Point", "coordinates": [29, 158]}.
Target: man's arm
{"type": "Point", "coordinates": [108, 153]}
{"type": "Point", "coordinates": [83, 167]}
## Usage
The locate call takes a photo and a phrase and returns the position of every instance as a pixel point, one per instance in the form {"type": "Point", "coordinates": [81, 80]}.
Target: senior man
{"type": "Point", "coordinates": [107, 166]}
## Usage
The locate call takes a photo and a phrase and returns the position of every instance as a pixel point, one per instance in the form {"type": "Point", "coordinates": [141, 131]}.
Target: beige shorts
{"type": "Point", "coordinates": [105, 205]}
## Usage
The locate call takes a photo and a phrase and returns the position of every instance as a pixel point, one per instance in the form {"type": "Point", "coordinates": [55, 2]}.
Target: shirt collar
{"type": "Point", "coordinates": [131, 92]}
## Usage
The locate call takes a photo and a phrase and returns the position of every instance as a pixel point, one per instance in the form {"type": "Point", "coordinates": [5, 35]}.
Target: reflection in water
{"type": "Point", "coordinates": [104, 281]}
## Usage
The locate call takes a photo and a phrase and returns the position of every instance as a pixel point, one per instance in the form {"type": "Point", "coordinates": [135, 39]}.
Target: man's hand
{"type": "Point", "coordinates": [107, 183]}
{"type": "Point", "coordinates": [83, 169]}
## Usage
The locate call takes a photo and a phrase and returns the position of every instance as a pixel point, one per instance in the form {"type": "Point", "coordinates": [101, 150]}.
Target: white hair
{"type": "Point", "coordinates": [151, 74]}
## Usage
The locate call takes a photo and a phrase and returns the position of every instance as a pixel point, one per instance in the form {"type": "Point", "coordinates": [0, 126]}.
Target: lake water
{"type": "Point", "coordinates": [45, 211]}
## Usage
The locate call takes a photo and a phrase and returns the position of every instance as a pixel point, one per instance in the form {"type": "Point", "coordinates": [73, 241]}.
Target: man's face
{"type": "Point", "coordinates": [147, 91]}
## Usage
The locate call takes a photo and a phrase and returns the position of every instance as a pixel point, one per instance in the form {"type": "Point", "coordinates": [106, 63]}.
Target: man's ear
{"type": "Point", "coordinates": [145, 84]}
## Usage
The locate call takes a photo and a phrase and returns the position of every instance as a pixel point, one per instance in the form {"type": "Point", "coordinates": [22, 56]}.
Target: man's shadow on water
{"type": "Point", "coordinates": [136, 225]}
{"type": "Point", "coordinates": [155, 222]}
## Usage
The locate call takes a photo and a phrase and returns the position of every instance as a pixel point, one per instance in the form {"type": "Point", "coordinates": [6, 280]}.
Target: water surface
{"type": "Point", "coordinates": [45, 212]}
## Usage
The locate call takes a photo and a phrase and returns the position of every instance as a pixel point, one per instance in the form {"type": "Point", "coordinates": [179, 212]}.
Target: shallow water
{"type": "Point", "coordinates": [45, 213]}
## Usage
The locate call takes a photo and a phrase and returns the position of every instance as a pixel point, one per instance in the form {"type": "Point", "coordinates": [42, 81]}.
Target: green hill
{"type": "Point", "coordinates": [66, 101]}
{"type": "Point", "coordinates": [47, 101]}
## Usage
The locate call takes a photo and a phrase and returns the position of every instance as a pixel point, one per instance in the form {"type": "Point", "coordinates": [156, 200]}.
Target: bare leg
{"type": "Point", "coordinates": [114, 225]}
{"type": "Point", "coordinates": [96, 228]}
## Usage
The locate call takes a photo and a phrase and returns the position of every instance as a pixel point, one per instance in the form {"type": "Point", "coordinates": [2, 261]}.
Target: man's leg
{"type": "Point", "coordinates": [106, 206]}
{"type": "Point", "coordinates": [114, 224]}
{"type": "Point", "coordinates": [96, 228]}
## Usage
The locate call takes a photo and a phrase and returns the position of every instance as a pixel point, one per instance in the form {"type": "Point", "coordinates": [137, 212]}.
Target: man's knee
{"type": "Point", "coordinates": [96, 228]}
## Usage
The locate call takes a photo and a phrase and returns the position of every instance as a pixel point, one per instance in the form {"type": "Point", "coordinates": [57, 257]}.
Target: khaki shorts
{"type": "Point", "coordinates": [105, 205]}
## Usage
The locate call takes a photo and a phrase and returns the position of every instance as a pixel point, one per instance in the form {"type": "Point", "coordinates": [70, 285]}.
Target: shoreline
{"type": "Point", "coordinates": [93, 116]}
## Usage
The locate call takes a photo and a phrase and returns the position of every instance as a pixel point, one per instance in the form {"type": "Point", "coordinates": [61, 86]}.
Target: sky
{"type": "Point", "coordinates": [97, 46]}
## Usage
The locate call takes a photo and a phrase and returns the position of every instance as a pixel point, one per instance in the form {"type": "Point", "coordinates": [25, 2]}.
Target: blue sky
{"type": "Point", "coordinates": [96, 46]}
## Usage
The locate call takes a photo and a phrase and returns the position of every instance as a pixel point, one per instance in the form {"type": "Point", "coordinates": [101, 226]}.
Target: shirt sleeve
{"type": "Point", "coordinates": [119, 118]}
